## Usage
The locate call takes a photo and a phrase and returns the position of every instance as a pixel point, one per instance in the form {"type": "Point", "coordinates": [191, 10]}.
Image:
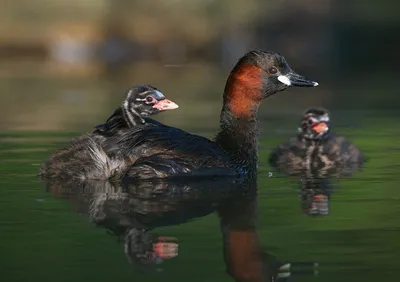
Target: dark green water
{"type": "Point", "coordinates": [42, 238]}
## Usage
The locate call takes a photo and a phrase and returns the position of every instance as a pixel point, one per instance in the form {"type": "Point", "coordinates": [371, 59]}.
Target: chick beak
{"type": "Point", "coordinates": [320, 127]}
{"type": "Point", "coordinates": [165, 104]}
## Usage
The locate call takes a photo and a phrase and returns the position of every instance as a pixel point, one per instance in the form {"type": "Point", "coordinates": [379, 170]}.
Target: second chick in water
{"type": "Point", "coordinates": [316, 149]}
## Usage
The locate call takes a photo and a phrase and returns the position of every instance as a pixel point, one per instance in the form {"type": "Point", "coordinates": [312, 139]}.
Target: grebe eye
{"type": "Point", "coordinates": [272, 70]}
{"type": "Point", "coordinates": [310, 122]}
{"type": "Point", "coordinates": [150, 99]}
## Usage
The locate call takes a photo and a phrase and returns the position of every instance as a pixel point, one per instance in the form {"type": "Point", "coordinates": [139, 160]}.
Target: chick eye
{"type": "Point", "coordinates": [150, 99]}
{"type": "Point", "coordinates": [310, 122]}
{"type": "Point", "coordinates": [272, 70]}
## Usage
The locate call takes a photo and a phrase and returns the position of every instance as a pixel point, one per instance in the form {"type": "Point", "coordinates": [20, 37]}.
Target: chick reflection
{"type": "Point", "coordinates": [315, 195]}
{"type": "Point", "coordinates": [315, 156]}
{"type": "Point", "coordinates": [131, 211]}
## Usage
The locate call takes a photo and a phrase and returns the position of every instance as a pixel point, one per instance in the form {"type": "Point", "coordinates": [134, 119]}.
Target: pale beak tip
{"type": "Point", "coordinates": [173, 106]}
{"type": "Point", "coordinates": [165, 104]}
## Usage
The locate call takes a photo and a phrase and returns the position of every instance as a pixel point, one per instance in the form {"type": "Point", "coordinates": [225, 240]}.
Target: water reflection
{"type": "Point", "coordinates": [243, 253]}
{"type": "Point", "coordinates": [315, 195]}
{"type": "Point", "coordinates": [317, 183]}
{"type": "Point", "coordinates": [132, 210]}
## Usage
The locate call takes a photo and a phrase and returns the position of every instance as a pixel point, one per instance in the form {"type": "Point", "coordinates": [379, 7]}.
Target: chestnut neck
{"type": "Point", "coordinates": [243, 92]}
{"type": "Point", "coordinates": [238, 133]}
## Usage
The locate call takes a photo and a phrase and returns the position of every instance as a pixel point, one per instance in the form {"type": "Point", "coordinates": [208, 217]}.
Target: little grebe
{"type": "Point", "coordinates": [140, 102]}
{"type": "Point", "coordinates": [163, 151]}
{"type": "Point", "coordinates": [85, 157]}
{"type": "Point", "coordinates": [315, 149]}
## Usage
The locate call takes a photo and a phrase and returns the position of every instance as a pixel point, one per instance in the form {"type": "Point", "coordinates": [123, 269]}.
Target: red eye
{"type": "Point", "coordinates": [272, 70]}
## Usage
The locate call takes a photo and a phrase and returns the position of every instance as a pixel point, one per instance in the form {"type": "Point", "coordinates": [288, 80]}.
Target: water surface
{"type": "Point", "coordinates": [44, 237]}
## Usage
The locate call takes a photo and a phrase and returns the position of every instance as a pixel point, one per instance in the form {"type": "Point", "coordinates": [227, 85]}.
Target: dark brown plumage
{"type": "Point", "coordinates": [85, 157]}
{"type": "Point", "coordinates": [163, 151]}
